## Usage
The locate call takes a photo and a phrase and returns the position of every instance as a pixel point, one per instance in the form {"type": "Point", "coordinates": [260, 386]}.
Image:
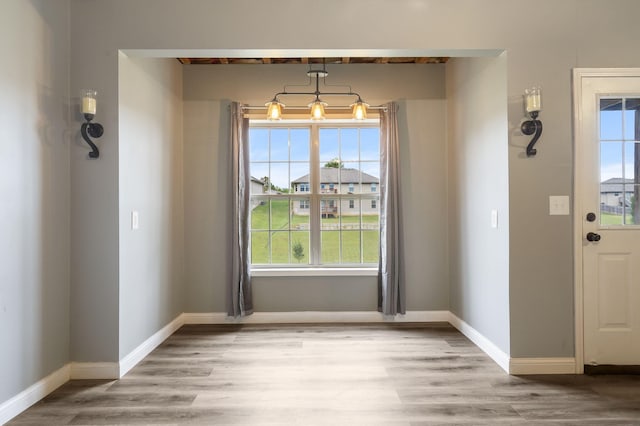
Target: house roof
{"type": "Point", "coordinates": [616, 185]}
{"type": "Point", "coordinates": [345, 175]}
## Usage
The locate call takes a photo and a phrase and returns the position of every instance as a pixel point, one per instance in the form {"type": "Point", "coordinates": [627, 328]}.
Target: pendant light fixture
{"type": "Point", "coordinates": [317, 106]}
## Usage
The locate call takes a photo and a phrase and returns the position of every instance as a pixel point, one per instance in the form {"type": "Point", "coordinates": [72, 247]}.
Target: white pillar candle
{"type": "Point", "coordinates": [88, 105]}
{"type": "Point", "coordinates": [89, 101]}
{"type": "Point", "coordinates": [533, 99]}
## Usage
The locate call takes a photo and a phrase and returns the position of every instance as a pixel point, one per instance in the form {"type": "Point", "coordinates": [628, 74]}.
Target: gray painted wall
{"type": "Point", "coordinates": [34, 189]}
{"type": "Point", "coordinates": [478, 184]}
{"type": "Point", "coordinates": [150, 169]}
{"type": "Point", "coordinates": [35, 171]}
{"type": "Point", "coordinates": [423, 155]}
{"type": "Point", "coordinates": [567, 34]}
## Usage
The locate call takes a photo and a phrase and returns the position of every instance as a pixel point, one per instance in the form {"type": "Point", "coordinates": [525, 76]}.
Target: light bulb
{"type": "Point", "coordinates": [359, 110]}
{"type": "Point", "coordinates": [317, 109]}
{"type": "Point", "coordinates": [274, 110]}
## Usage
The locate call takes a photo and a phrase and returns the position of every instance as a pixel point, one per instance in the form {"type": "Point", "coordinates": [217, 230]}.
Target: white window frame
{"type": "Point", "coordinates": [315, 196]}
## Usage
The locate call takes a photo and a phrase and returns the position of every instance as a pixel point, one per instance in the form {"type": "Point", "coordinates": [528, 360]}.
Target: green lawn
{"type": "Point", "coordinates": [284, 236]}
{"type": "Point", "coordinates": [614, 219]}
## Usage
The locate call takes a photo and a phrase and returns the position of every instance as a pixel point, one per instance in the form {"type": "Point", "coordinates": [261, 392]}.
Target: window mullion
{"type": "Point", "coordinates": [314, 225]}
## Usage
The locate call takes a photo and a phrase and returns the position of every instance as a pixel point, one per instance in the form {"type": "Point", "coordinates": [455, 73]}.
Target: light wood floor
{"type": "Point", "coordinates": [333, 375]}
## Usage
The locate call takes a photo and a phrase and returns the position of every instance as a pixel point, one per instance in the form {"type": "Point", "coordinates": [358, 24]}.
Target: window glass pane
{"type": "Point", "coordinates": [279, 178]}
{"type": "Point", "coordinates": [300, 177]}
{"type": "Point", "coordinates": [329, 149]}
{"type": "Point", "coordinates": [329, 176]}
{"type": "Point", "coordinates": [626, 201]}
{"type": "Point", "coordinates": [260, 247]}
{"type": "Point", "coordinates": [259, 214]}
{"type": "Point", "coordinates": [299, 144]}
{"type": "Point", "coordinates": [300, 247]}
{"type": "Point", "coordinates": [280, 247]}
{"type": "Point", "coordinates": [632, 208]}
{"type": "Point", "coordinates": [349, 145]}
{"type": "Point", "coordinates": [279, 214]}
{"type": "Point", "coordinates": [259, 144]}
{"type": "Point", "coordinates": [611, 119]}
{"type": "Point", "coordinates": [279, 144]}
{"type": "Point", "coordinates": [610, 161]}
{"type": "Point", "coordinates": [258, 172]}
{"type": "Point", "coordinates": [350, 178]}
{"type": "Point", "coordinates": [632, 119]}
{"type": "Point", "coordinates": [631, 161]}
{"type": "Point", "coordinates": [370, 144]}
{"type": "Point", "coordinates": [611, 202]}
{"type": "Point", "coordinates": [300, 212]}
{"type": "Point", "coordinates": [371, 172]}
{"type": "Point", "coordinates": [370, 246]}
{"type": "Point", "coordinates": [330, 250]}
{"type": "Point", "coordinates": [351, 246]}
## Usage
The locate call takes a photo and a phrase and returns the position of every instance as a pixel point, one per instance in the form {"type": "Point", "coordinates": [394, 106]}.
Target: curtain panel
{"type": "Point", "coordinates": [239, 298]}
{"type": "Point", "coordinates": [391, 286]}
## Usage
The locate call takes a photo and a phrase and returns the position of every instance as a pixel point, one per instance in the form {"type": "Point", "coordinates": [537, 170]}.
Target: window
{"type": "Point", "coordinates": [306, 219]}
{"type": "Point", "coordinates": [374, 187]}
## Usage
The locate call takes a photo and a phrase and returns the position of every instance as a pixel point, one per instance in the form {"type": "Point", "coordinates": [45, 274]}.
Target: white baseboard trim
{"type": "Point", "coordinates": [34, 393]}
{"type": "Point", "coordinates": [501, 358]}
{"type": "Point", "coordinates": [138, 354]}
{"type": "Point", "coordinates": [523, 366]}
{"type": "Point", "coordinates": [315, 317]}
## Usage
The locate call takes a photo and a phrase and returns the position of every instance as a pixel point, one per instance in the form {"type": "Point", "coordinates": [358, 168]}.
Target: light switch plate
{"type": "Point", "coordinates": [559, 205]}
{"type": "Point", "coordinates": [494, 218]}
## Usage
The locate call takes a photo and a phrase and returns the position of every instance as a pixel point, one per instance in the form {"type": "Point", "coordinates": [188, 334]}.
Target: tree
{"type": "Point", "coordinates": [298, 251]}
{"type": "Point", "coordinates": [334, 163]}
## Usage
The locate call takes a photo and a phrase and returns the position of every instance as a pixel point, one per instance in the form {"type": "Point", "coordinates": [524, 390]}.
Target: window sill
{"type": "Point", "coordinates": [314, 272]}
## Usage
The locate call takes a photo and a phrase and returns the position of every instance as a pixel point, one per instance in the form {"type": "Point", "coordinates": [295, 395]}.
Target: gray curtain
{"type": "Point", "coordinates": [391, 289]}
{"type": "Point", "coordinates": [239, 300]}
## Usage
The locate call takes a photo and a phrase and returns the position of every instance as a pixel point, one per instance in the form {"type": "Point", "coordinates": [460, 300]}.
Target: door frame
{"type": "Point", "coordinates": [579, 75]}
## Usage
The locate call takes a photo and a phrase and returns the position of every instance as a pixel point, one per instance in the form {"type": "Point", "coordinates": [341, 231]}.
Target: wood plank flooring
{"type": "Point", "coordinates": [398, 374]}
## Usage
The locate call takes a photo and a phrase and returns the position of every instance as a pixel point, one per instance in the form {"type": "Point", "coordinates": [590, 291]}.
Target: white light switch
{"type": "Point", "coordinates": [134, 220]}
{"type": "Point", "coordinates": [494, 218]}
{"type": "Point", "coordinates": [558, 204]}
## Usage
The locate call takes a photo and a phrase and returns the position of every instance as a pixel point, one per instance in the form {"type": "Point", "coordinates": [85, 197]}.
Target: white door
{"type": "Point", "coordinates": [608, 168]}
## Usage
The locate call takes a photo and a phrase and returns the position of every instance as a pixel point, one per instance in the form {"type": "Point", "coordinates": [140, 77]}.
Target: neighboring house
{"type": "Point", "coordinates": [257, 187]}
{"type": "Point", "coordinates": [339, 181]}
{"type": "Point", "coordinates": [612, 192]}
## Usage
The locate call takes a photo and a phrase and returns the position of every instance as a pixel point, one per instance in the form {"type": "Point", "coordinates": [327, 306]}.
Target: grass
{"type": "Point", "coordinates": [614, 219]}
{"type": "Point", "coordinates": [337, 246]}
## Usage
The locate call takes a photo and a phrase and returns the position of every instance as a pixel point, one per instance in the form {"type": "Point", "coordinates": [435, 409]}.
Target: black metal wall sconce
{"type": "Point", "coordinates": [95, 130]}
{"type": "Point", "coordinates": [533, 106]}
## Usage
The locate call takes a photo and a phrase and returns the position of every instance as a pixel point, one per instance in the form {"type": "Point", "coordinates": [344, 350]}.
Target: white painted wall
{"type": "Point", "coordinates": [478, 184]}
{"type": "Point", "coordinates": [150, 174]}
{"type": "Point", "coordinates": [207, 184]}
{"type": "Point", "coordinates": [34, 192]}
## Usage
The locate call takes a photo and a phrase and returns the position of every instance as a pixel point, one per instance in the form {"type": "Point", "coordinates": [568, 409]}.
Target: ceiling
{"type": "Point", "coordinates": [299, 60]}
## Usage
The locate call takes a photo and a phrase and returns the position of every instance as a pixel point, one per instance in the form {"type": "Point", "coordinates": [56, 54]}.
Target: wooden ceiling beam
{"type": "Point", "coordinates": [307, 60]}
